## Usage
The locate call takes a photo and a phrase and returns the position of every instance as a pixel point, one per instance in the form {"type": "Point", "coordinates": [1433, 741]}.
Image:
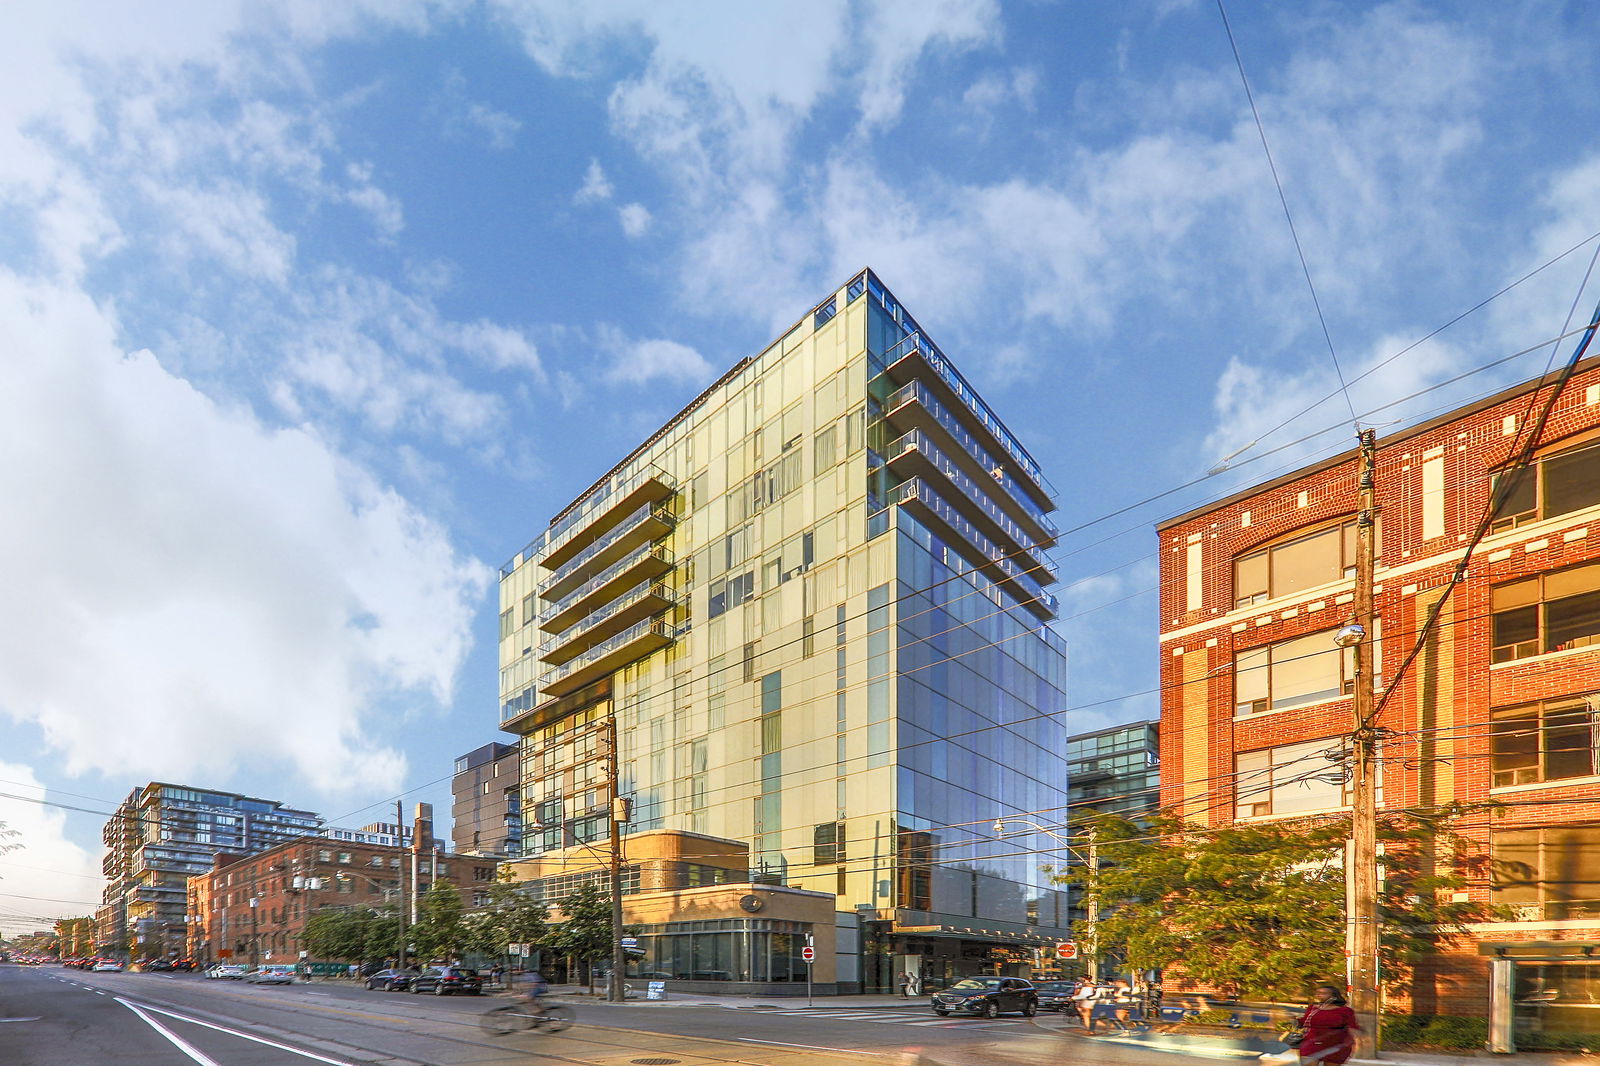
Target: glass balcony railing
{"type": "Point", "coordinates": [657, 514]}
{"type": "Point", "coordinates": [651, 482]}
{"type": "Point", "coordinates": [650, 594]}
{"type": "Point", "coordinates": [972, 491]}
{"type": "Point", "coordinates": [650, 552]}
{"type": "Point", "coordinates": [1003, 568]}
{"type": "Point", "coordinates": [634, 642]}
{"type": "Point", "coordinates": [918, 393]}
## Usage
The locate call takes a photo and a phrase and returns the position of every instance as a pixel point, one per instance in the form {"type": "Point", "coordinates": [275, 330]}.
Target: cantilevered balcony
{"type": "Point", "coordinates": [644, 600]}
{"type": "Point", "coordinates": [649, 561]}
{"type": "Point", "coordinates": [606, 505]}
{"type": "Point", "coordinates": [596, 662]}
{"type": "Point", "coordinates": [915, 407]}
{"type": "Point", "coordinates": [915, 455]}
{"type": "Point", "coordinates": [1016, 575]}
{"type": "Point", "coordinates": [913, 359]}
{"type": "Point", "coordinates": [646, 523]}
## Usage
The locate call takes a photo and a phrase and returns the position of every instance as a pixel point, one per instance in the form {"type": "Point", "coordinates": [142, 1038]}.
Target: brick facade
{"type": "Point", "coordinates": [1433, 484]}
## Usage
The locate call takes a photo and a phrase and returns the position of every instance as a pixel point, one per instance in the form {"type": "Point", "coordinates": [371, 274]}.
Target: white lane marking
{"type": "Point", "coordinates": [97, 992]}
{"type": "Point", "coordinates": [245, 1036]}
{"type": "Point", "coordinates": [319, 994]}
{"type": "Point", "coordinates": [177, 1041]}
{"type": "Point", "coordinates": [811, 1047]}
{"type": "Point", "coordinates": [3, 1020]}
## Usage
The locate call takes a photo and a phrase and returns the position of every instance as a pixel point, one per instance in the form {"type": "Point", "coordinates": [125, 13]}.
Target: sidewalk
{"type": "Point", "coordinates": [704, 999]}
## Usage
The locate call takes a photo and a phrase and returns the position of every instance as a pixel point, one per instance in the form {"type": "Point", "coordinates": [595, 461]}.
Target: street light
{"type": "Point", "coordinates": [1092, 861]}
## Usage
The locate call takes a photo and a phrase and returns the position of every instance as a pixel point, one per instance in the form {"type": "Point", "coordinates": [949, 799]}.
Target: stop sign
{"type": "Point", "coordinates": [808, 954]}
{"type": "Point", "coordinates": [1069, 950]}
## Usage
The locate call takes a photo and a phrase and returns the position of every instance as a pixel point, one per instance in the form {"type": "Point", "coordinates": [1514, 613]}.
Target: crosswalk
{"type": "Point", "coordinates": [920, 1019]}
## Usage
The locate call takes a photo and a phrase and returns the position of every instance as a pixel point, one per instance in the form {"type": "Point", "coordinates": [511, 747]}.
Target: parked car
{"type": "Point", "coordinates": [156, 966]}
{"type": "Point", "coordinates": [108, 966]}
{"type": "Point", "coordinates": [445, 980]}
{"type": "Point", "coordinates": [1055, 995]}
{"type": "Point", "coordinates": [274, 974]}
{"type": "Point", "coordinates": [389, 980]}
{"type": "Point", "coordinates": [227, 970]}
{"type": "Point", "coordinates": [988, 996]}
{"type": "Point", "coordinates": [183, 964]}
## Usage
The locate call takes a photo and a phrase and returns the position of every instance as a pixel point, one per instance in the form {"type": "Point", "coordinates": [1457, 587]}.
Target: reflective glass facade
{"type": "Point", "coordinates": [815, 604]}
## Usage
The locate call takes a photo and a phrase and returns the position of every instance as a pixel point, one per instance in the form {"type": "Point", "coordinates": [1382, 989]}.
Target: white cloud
{"type": "Point", "coordinates": [595, 187]}
{"type": "Point", "coordinates": [635, 219]}
{"type": "Point", "coordinates": [46, 876]}
{"type": "Point", "coordinates": [638, 362]}
{"type": "Point", "coordinates": [458, 112]}
{"type": "Point", "coordinates": [193, 589]}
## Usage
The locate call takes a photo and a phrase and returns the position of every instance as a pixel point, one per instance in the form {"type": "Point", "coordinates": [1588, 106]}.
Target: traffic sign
{"type": "Point", "coordinates": [1068, 950]}
{"type": "Point", "coordinates": [809, 954]}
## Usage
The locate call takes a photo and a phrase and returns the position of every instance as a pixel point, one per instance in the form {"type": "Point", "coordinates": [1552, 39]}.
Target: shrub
{"type": "Point", "coordinates": [1403, 1029]}
{"type": "Point", "coordinates": [1557, 1041]}
{"type": "Point", "coordinates": [1444, 1031]}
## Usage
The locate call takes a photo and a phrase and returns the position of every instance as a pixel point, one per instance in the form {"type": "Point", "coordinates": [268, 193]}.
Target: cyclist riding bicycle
{"type": "Point", "coordinates": [535, 988]}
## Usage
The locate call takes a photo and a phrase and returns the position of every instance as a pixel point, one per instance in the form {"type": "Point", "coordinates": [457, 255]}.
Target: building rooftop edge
{"type": "Point", "coordinates": [1456, 414]}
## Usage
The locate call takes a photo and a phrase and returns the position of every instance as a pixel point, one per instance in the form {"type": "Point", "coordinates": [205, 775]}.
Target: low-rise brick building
{"type": "Point", "coordinates": [254, 908]}
{"type": "Point", "coordinates": [1501, 706]}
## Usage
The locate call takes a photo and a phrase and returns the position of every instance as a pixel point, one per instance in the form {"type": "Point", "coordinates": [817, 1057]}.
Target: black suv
{"type": "Point", "coordinates": [443, 980]}
{"type": "Point", "coordinates": [389, 980]}
{"type": "Point", "coordinates": [987, 996]}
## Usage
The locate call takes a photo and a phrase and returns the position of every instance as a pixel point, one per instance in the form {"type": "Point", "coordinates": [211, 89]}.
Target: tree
{"type": "Point", "coordinates": [586, 932]}
{"type": "Point", "coordinates": [338, 934]}
{"type": "Point", "coordinates": [510, 916]}
{"type": "Point", "coordinates": [439, 931]}
{"type": "Point", "coordinates": [1256, 910]}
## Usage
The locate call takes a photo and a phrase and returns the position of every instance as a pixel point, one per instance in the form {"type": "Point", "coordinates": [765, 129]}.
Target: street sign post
{"type": "Point", "coordinates": [809, 955]}
{"type": "Point", "coordinates": [1068, 950]}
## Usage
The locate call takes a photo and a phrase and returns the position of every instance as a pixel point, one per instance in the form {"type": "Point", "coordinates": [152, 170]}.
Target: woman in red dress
{"type": "Point", "coordinates": [1330, 1028]}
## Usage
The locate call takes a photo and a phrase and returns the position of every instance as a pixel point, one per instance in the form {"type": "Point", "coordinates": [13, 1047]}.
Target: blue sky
{"type": "Point", "coordinates": [311, 314]}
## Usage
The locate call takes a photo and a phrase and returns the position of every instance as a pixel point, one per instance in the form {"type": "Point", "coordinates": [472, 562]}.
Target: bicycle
{"type": "Point", "coordinates": [516, 1017]}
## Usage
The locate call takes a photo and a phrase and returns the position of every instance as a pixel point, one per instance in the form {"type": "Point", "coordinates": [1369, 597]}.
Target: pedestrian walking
{"type": "Point", "coordinates": [1083, 1002]}
{"type": "Point", "coordinates": [1328, 1027]}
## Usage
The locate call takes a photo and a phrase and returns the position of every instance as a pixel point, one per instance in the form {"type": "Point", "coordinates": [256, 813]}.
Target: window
{"type": "Point", "coordinates": [1557, 484]}
{"type": "Point", "coordinates": [1549, 741]}
{"type": "Point", "coordinates": [1547, 874]}
{"type": "Point", "coordinates": [1302, 562]}
{"type": "Point", "coordinates": [508, 623]}
{"type": "Point", "coordinates": [530, 607]}
{"type": "Point", "coordinates": [731, 592]}
{"type": "Point", "coordinates": [736, 548]}
{"type": "Point", "coordinates": [1549, 612]}
{"type": "Point", "coordinates": [827, 448]}
{"type": "Point", "coordinates": [1291, 673]}
{"type": "Point", "coordinates": [1293, 779]}
{"type": "Point", "coordinates": [344, 858]}
{"type": "Point", "coordinates": [827, 844]}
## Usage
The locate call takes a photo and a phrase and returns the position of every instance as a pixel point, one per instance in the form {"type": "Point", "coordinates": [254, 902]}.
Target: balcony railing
{"type": "Point", "coordinates": [651, 482]}
{"type": "Point", "coordinates": [995, 518]}
{"type": "Point", "coordinates": [595, 662]}
{"type": "Point", "coordinates": [645, 598]}
{"type": "Point", "coordinates": [1000, 567]}
{"type": "Point", "coordinates": [650, 521]}
{"type": "Point", "coordinates": [1024, 496]}
{"type": "Point", "coordinates": [652, 560]}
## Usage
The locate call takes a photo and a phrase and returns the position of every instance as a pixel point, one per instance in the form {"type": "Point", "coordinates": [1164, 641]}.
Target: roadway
{"type": "Point", "coordinates": [52, 1016]}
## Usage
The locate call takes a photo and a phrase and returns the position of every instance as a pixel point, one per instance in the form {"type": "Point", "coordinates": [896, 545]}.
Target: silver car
{"type": "Point", "coordinates": [272, 975]}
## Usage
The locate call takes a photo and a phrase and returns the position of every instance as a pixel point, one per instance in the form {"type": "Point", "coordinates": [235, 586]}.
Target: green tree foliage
{"type": "Point", "coordinates": [586, 932]}
{"type": "Point", "coordinates": [440, 931]}
{"type": "Point", "coordinates": [383, 934]}
{"type": "Point", "coordinates": [338, 935]}
{"type": "Point", "coordinates": [510, 916]}
{"type": "Point", "coordinates": [1256, 910]}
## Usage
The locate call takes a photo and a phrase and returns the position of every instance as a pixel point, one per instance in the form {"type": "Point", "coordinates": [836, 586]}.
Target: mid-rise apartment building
{"type": "Point", "coordinates": [254, 908]}
{"type": "Point", "coordinates": [486, 811]}
{"type": "Point", "coordinates": [1501, 707]}
{"type": "Point", "coordinates": [1116, 770]}
{"type": "Point", "coordinates": [814, 605]}
{"type": "Point", "coordinates": [163, 834]}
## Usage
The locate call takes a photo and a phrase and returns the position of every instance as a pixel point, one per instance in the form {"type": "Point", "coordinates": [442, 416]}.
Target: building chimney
{"type": "Point", "coordinates": [422, 829]}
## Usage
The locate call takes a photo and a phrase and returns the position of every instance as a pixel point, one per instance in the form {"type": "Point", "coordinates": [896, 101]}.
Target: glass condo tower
{"type": "Point", "coordinates": [815, 606]}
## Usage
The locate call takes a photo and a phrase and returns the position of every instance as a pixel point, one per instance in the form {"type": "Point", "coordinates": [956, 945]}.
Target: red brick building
{"type": "Point", "coordinates": [291, 882]}
{"type": "Point", "coordinates": [1502, 705]}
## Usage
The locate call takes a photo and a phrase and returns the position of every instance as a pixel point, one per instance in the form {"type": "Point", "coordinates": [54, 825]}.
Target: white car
{"type": "Point", "coordinates": [227, 970]}
{"type": "Point", "coordinates": [271, 975]}
{"type": "Point", "coordinates": [108, 966]}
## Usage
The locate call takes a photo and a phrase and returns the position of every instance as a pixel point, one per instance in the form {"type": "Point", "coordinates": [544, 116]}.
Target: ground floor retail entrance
{"type": "Point", "coordinates": [934, 958]}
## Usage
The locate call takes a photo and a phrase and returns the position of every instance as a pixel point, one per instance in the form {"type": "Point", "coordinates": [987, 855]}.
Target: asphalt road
{"type": "Point", "coordinates": [51, 1016]}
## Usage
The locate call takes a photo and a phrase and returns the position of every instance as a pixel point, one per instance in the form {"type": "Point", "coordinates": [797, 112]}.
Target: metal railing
{"type": "Point", "coordinates": [645, 588]}
{"type": "Point", "coordinates": [608, 574]}
{"type": "Point", "coordinates": [918, 442]}
{"type": "Point", "coordinates": [592, 655]}
{"type": "Point", "coordinates": [918, 490]}
{"type": "Point", "coordinates": [648, 510]}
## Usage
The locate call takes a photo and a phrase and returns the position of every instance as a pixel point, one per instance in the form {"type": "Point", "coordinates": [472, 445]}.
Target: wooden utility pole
{"type": "Point", "coordinates": [400, 848]}
{"type": "Point", "coordinates": [1361, 865]}
{"type": "Point", "coordinates": [616, 989]}
{"type": "Point", "coordinates": [1092, 907]}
